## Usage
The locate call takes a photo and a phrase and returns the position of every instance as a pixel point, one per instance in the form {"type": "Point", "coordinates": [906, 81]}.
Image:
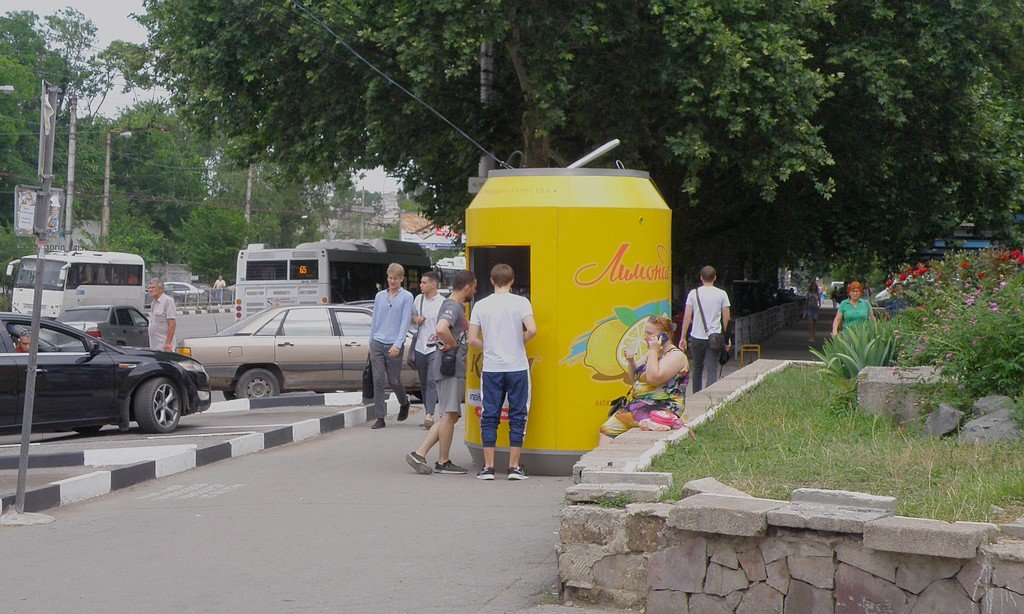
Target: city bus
{"type": "Point", "coordinates": [79, 278]}
{"type": "Point", "coordinates": [322, 272]}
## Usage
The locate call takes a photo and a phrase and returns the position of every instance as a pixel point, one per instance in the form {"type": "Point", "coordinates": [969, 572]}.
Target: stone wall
{"type": "Point", "coordinates": [822, 552]}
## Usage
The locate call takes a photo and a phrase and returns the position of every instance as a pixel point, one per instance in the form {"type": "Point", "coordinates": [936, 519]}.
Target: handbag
{"type": "Point", "coordinates": [411, 358]}
{"type": "Point", "coordinates": [716, 341]}
{"type": "Point", "coordinates": [449, 362]}
{"type": "Point", "coordinates": [367, 381]}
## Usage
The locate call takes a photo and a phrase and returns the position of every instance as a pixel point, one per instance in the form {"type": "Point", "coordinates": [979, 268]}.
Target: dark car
{"type": "Point", "coordinates": [83, 383]}
{"type": "Point", "coordinates": [115, 324]}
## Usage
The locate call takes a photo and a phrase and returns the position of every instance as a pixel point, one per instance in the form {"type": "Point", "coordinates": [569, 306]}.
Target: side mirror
{"type": "Point", "coordinates": [10, 267]}
{"type": "Point", "coordinates": [94, 350]}
{"type": "Point", "coordinates": [63, 275]}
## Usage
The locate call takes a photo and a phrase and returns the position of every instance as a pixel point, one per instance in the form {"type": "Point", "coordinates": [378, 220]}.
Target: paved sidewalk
{"type": "Point", "coordinates": [338, 524]}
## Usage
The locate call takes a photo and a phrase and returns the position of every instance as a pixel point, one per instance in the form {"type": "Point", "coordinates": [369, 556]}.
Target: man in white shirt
{"type": "Point", "coordinates": [506, 321]}
{"type": "Point", "coordinates": [712, 316]}
{"type": "Point", "coordinates": [424, 314]}
{"type": "Point", "coordinates": [162, 317]}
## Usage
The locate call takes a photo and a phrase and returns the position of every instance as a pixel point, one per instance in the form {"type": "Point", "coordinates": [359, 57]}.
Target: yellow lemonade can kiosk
{"type": "Point", "coordinates": [591, 249]}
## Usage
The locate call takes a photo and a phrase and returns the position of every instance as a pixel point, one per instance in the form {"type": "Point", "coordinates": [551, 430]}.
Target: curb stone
{"type": "Point", "coordinates": [97, 483]}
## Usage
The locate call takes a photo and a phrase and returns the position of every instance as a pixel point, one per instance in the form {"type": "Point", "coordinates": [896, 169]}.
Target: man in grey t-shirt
{"type": "Point", "coordinates": [162, 317]}
{"type": "Point", "coordinates": [451, 389]}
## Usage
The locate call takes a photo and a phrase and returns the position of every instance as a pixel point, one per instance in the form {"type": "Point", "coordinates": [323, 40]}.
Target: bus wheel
{"type": "Point", "coordinates": [257, 384]}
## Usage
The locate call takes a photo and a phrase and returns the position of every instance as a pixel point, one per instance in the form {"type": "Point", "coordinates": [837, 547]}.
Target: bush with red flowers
{"type": "Point", "coordinates": [967, 316]}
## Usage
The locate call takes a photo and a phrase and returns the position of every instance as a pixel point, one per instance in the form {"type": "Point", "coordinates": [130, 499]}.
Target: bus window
{"type": "Point", "coordinates": [303, 269]}
{"type": "Point", "coordinates": [412, 280]}
{"type": "Point", "coordinates": [266, 270]}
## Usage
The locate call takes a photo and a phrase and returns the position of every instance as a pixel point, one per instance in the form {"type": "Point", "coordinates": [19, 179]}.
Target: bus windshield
{"type": "Point", "coordinates": [51, 274]}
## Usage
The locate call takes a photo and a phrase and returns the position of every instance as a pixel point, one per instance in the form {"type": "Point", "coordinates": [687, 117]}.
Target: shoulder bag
{"type": "Point", "coordinates": [411, 358]}
{"type": "Point", "coordinates": [716, 341]}
{"type": "Point", "coordinates": [367, 381]}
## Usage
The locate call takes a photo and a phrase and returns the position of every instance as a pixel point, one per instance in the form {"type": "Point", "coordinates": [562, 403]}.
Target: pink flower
{"type": "Point", "coordinates": [993, 307]}
{"type": "Point", "coordinates": [949, 356]}
{"type": "Point", "coordinates": [970, 301]}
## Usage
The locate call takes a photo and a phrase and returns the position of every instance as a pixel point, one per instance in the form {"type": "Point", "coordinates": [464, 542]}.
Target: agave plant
{"type": "Point", "coordinates": [871, 344]}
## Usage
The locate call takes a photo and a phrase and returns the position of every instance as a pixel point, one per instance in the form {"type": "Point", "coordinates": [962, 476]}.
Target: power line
{"type": "Point", "coordinates": [313, 18]}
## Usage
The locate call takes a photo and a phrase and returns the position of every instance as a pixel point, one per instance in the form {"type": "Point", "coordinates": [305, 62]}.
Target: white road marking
{"type": "Point", "coordinates": [191, 491]}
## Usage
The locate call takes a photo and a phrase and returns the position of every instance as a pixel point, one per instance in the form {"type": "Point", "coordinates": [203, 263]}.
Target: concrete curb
{"type": "Point", "coordinates": [105, 481]}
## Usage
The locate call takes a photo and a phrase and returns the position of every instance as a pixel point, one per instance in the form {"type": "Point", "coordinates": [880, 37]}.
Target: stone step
{"type": "Point", "coordinates": [593, 493]}
{"type": "Point", "coordinates": [592, 476]}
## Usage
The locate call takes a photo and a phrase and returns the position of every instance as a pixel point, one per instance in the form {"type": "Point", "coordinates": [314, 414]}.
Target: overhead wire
{"type": "Point", "coordinates": [316, 21]}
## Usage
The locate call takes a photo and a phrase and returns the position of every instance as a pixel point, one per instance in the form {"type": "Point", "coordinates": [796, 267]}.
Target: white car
{"type": "Point", "coordinates": [182, 290]}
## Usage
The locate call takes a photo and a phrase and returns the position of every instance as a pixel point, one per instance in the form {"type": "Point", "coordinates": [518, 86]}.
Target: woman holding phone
{"type": "Point", "coordinates": [659, 383]}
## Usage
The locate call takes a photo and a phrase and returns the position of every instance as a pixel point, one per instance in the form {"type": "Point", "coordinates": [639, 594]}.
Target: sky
{"type": "Point", "coordinates": [114, 22]}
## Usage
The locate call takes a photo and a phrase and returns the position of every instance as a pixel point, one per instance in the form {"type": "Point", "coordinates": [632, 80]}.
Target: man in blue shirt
{"type": "Point", "coordinates": [392, 314]}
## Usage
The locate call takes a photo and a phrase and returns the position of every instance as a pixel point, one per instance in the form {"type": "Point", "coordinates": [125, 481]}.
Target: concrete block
{"type": "Point", "coordinates": [896, 392]}
{"type": "Point", "coordinates": [592, 493]}
{"type": "Point", "coordinates": [710, 486]}
{"type": "Point", "coordinates": [246, 444]}
{"type": "Point", "coordinates": [1008, 550]}
{"type": "Point", "coordinates": [587, 524]}
{"type": "Point", "coordinates": [824, 517]}
{"type": "Point", "coordinates": [576, 564]}
{"type": "Point", "coordinates": [721, 514]}
{"type": "Point", "coordinates": [170, 465]}
{"type": "Point", "coordinates": [956, 540]}
{"type": "Point", "coordinates": [844, 498]}
{"type": "Point", "coordinates": [1013, 529]}
{"type": "Point", "coordinates": [623, 477]}
{"type": "Point", "coordinates": [643, 525]}
{"type": "Point", "coordinates": [83, 487]}
{"type": "Point", "coordinates": [306, 429]}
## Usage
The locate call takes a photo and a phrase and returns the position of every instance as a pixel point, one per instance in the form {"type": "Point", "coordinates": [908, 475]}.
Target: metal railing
{"type": "Point", "coordinates": [205, 298]}
{"type": "Point", "coordinates": [759, 326]}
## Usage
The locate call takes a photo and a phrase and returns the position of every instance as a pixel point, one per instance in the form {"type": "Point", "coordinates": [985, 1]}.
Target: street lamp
{"type": "Point", "coordinates": [125, 133]}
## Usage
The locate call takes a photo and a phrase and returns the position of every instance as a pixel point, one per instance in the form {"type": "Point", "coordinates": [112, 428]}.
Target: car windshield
{"type": "Point", "coordinates": [83, 315]}
{"type": "Point", "coordinates": [51, 274]}
{"type": "Point", "coordinates": [237, 326]}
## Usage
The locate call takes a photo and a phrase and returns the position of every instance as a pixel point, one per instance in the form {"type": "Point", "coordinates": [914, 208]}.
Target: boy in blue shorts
{"type": "Point", "coordinates": [501, 325]}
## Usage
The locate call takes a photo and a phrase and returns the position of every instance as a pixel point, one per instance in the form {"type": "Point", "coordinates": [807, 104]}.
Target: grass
{"type": "Point", "coordinates": [785, 435]}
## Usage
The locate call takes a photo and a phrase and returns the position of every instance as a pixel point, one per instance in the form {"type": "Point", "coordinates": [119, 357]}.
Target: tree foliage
{"type": "Point", "coordinates": [777, 131]}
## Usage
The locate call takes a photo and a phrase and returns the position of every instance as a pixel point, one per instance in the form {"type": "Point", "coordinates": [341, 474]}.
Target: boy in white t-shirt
{"type": "Point", "coordinates": [425, 308]}
{"type": "Point", "coordinates": [506, 321]}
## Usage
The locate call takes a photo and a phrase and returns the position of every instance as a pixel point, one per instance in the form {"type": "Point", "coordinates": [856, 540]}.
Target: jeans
{"type": "Point", "coordinates": [494, 388]}
{"type": "Point", "coordinates": [386, 367]}
{"type": "Point", "coordinates": [702, 355]}
{"type": "Point", "coordinates": [428, 386]}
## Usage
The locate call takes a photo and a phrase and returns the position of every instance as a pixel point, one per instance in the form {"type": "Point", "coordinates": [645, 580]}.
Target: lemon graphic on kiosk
{"type": "Point", "coordinates": [605, 347]}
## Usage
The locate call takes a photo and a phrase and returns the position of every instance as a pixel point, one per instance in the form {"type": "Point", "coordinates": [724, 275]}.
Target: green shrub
{"type": "Point", "coordinates": [872, 344]}
{"type": "Point", "coordinates": [969, 320]}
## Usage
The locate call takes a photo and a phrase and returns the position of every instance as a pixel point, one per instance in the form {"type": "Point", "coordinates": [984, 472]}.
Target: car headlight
{"type": "Point", "coordinates": [192, 365]}
{"type": "Point", "coordinates": [184, 350]}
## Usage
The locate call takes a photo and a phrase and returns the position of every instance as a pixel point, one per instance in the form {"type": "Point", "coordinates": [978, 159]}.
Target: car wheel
{"type": "Point", "coordinates": [88, 430]}
{"type": "Point", "coordinates": [229, 395]}
{"type": "Point", "coordinates": [257, 384]}
{"type": "Point", "coordinates": [157, 406]}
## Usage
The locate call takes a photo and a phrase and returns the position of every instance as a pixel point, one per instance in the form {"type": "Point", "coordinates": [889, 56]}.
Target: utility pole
{"type": "Point", "coordinates": [70, 193]}
{"type": "Point", "coordinates": [40, 227]}
{"type": "Point", "coordinates": [248, 194]}
{"type": "Point", "coordinates": [105, 218]}
{"type": "Point", "coordinates": [486, 97]}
